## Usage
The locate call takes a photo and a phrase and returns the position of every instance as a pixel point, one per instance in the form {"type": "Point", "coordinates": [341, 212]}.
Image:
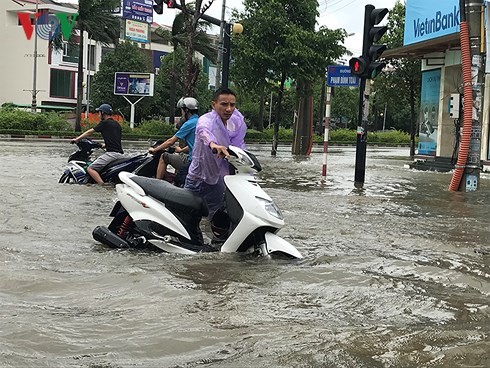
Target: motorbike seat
{"type": "Point", "coordinates": [173, 196]}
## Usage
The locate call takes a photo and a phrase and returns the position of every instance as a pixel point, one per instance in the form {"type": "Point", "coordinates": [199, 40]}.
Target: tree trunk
{"type": "Point", "coordinates": [302, 134]}
{"type": "Point", "coordinates": [322, 106]}
{"type": "Point", "coordinates": [275, 138]}
{"type": "Point", "coordinates": [260, 123]}
{"type": "Point", "coordinates": [78, 120]}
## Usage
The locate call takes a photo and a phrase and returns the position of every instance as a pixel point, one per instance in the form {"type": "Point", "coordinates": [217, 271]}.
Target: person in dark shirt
{"type": "Point", "coordinates": [112, 133]}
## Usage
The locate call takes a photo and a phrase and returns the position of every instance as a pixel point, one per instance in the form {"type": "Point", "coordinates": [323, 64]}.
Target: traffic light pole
{"type": "Point", "coordinates": [361, 146]}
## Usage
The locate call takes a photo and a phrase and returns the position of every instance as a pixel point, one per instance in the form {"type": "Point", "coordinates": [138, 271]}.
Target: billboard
{"type": "Point", "coordinates": [428, 19]}
{"type": "Point", "coordinates": [429, 112]}
{"type": "Point", "coordinates": [138, 10]}
{"type": "Point", "coordinates": [137, 31]}
{"type": "Point", "coordinates": [133, 84]}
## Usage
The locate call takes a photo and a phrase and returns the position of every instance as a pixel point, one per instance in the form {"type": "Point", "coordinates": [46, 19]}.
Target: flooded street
{"type": "Point", "coordinates": [390, 276]}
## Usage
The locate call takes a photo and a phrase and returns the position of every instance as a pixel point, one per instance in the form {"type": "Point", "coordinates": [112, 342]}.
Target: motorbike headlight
{"type": "Point", "coordinates": [271, 208]}
{"type": "Point", "coordinates": [244, 160]}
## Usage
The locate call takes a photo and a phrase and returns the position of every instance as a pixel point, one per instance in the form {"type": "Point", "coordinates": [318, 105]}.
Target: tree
{"type": "Point", "coordinates": [98, 19]}
{"type": "Point", "coordinates": [127, 57]}
{"type": "Point", "coordinates": [400, 87]}
{"type": "Point", "coordinates": [280, 42]}
{"type": "Point", "coordinates": [163, 84]}
{"type": "Point", "coordinates": [178, 37]}
{"type": "Point", "coordinates": [345, 107]}
{"type": "Point", "coordinates": [191, 24]}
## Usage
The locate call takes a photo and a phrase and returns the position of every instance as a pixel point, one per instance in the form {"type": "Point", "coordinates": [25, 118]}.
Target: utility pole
{"type": "Point", "coordinates": [474, 13]}
{"type": "Point", "coordinates": [220, 47]}
{"type": "Point", "coordinates": [34, 77]}
{"type": "Point", "coordinates": [384, 117]}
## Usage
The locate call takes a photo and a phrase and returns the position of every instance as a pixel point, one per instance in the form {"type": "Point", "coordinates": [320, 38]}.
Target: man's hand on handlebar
{"type": "Point", "coordinates": [220, 151]}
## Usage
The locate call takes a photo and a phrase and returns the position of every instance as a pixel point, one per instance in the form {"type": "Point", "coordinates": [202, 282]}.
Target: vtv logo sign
{"type": "Point", "coordinates": [48, 25]}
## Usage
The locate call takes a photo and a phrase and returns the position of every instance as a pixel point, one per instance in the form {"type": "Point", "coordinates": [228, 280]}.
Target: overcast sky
{"type": "Point", "coordinates": [347, 14]}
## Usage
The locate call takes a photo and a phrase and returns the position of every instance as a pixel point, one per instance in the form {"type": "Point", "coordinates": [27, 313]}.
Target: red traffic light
{"type": "Point", "coordinates": [357, 66]}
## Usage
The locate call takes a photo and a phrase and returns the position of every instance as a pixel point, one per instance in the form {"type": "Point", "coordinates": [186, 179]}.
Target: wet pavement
{"type": "Point", "coordinates": [390, 276]}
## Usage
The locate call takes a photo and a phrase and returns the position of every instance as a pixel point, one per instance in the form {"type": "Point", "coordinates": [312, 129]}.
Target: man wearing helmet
{"type": "Point", "coordinates": [188, 109]}
{"type": "Point", "coordinates": [112, 133]}
{"type": "Point", "coordinates": [215, 130]}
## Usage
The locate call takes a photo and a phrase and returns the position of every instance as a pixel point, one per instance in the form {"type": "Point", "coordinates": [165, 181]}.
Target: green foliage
{"type": "Point", "coordinates": [343, 135]}
{"type": "Point", "coordinates": [389, 136]}
{"type": "Point", "coordinates": [345, 106]}
{"type": "Point", "coordinates": [163, 83]}
{"type": "Point", "coordinates": [280, 40]}
{"type": "Point", "coordinates": [155, 128]}
{"type": "Point", "coordinates": [127, 57]}
{"type": "Point", "coordinates": [398, 89]}
{"type": "Point", "coordinates": [11, 118]}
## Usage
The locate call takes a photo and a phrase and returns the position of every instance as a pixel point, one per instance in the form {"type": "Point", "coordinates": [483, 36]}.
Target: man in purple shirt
{"type": "Point", "coordinates": [215, 130]}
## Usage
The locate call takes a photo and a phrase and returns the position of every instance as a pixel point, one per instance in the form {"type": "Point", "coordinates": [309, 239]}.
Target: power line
{"type": "Point", "coordinates": [336, 10]}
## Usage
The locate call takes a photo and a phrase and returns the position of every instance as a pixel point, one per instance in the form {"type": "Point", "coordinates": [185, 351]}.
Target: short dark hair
{"type": "Point", "coordinates": [222, 91]}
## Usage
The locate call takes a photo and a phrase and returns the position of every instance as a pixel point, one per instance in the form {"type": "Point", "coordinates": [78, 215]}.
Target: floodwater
{"type": "Point", "coordinates": [390, 276]}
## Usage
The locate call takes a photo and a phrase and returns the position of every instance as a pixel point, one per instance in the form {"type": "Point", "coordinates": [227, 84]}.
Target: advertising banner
{"type": "Point", "coordinates": [137, 31]}
{"type": "Point", "coordinates": [133, 84]}
{"type": "Point", "coordinates": [138, 10]}
{"type": "Point", "coordinates": [428, 19]}
{"type": "Point", "coordinates": [429, 112]}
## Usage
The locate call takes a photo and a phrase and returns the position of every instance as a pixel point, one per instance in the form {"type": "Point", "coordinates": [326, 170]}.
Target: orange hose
{"type": "Point", "coordinates": [468, 108]}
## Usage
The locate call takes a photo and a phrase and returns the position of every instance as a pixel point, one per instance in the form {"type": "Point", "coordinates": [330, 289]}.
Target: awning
{"type": "Point", "coordinates": [418, 50]}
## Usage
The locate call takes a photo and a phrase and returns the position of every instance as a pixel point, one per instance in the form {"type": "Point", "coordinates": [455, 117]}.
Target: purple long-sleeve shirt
{"type": "Point", "coordinates": [205, 165]}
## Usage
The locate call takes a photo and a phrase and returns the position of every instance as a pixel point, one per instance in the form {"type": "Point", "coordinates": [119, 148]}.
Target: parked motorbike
{"type": "Point", "coordinates": [76, 170]}
{"type": "Point", "coordinates": [153, 213]}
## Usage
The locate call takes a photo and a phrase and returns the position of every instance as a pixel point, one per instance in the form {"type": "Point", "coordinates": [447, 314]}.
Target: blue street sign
{"type": "Point", "coordinates": [340, 76]}
{"type": "Point", "coordinates": [139, 10]}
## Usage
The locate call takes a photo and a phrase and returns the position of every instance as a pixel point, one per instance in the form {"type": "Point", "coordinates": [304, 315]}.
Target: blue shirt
{"type": "Point", "coordinates": [188, 132]}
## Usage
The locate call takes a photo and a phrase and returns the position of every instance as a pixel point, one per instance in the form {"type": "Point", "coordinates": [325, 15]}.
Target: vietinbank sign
{"type": "Point", "coordinates": [47, 26]}
{"type": "Point", "coordinates": [428, 19]}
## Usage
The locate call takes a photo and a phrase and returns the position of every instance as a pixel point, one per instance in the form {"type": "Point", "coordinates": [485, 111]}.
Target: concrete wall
{"type": "Point", "coordinates": [451, 82]}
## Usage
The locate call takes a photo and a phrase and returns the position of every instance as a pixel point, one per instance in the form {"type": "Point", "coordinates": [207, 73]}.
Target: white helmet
{"type": "Point", "coordinates": [189, 103]}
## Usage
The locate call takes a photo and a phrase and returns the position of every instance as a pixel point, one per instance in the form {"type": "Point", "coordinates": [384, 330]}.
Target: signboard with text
{"type": "Point", "coordinates": [428, 19]}
{"type": "Point", "coordinates": [133, 84]}
{"type": "Point", "coordinates": [137, 31]}
{"type": "Point", "coordinates": [138, 10]}
{"type": "Point", "coordinates": [340, 76]}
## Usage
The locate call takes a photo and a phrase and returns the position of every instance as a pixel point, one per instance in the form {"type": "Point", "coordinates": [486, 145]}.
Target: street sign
{"type": "Point", "coordinates": [138, 10]}
{"type": "Point", "coordinates": [340, 76]}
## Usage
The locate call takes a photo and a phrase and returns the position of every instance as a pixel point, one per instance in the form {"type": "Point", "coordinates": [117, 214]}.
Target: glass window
{"type": "Point", "coordinates": [70, 53]}
{"type": "Point", "coordinates": [62, 83]}
{"type": "Point", "coordinates": [91, 52]}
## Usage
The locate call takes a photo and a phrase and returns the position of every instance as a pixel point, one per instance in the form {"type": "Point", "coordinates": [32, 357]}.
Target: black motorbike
{"type": "Point", "coordinates": [144, 164]}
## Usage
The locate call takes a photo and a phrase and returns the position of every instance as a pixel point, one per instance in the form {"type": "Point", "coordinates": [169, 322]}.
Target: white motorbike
{"type": "Point", "coordinates": [153, 213]}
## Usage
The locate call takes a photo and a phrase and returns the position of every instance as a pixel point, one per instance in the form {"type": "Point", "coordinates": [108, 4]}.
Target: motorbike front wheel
{"type": "Point", "coordinates": [66, 178]}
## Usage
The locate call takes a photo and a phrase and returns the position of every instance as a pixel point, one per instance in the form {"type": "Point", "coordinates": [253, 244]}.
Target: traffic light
{"type": "Point", "coordinates": [170, 3]}
{"type": "Point", "coordinates": [357, 66]}
{"type": "Point", "coordinates": [372, 34]}
{"type": "Point", "coordinates": [158, 7]}
{"type": "Point", "coordinates": [366, 65]}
